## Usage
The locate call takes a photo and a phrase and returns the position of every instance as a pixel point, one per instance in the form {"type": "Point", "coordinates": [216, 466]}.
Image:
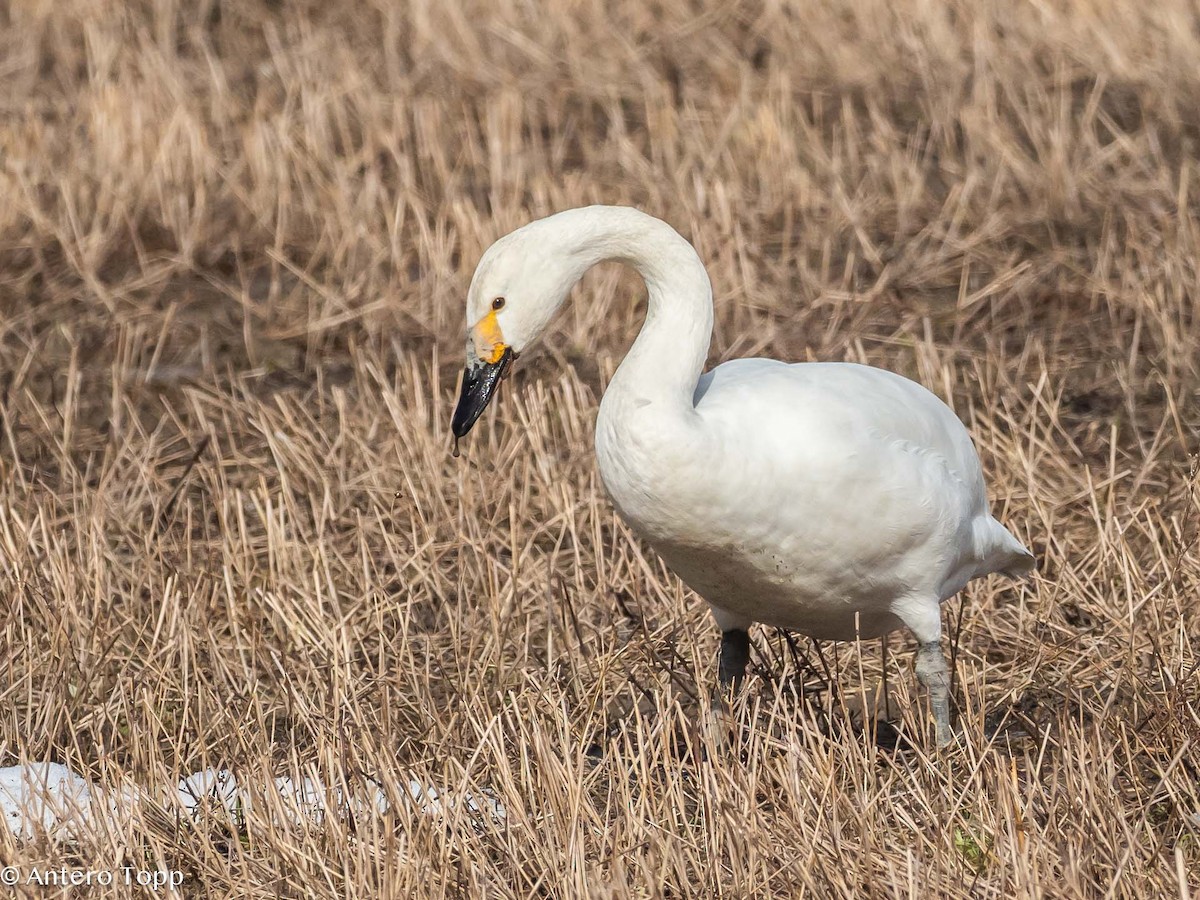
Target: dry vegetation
{"type": "Point", "coordinates": [235, 239]}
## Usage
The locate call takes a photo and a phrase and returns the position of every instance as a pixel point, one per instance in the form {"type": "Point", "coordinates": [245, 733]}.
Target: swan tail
{"type": "Point", "coordinates": [1000, 551]}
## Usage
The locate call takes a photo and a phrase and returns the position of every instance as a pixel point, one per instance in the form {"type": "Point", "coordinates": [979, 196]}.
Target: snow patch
{"type": "Point", "coordinates": [41, 798]}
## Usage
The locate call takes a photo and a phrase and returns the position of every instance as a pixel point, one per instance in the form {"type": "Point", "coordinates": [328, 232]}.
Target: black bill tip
{"type": "Point", "coordinates": [480, 381]}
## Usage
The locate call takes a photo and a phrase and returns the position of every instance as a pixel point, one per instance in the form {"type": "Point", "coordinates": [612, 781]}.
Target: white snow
{"type": "Point", "coordinates": [44, 798]}
{"type": "Point", "coordinates": [48, 798]}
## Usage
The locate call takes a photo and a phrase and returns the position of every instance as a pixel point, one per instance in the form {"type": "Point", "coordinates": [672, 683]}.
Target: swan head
{"type": "Point", "coordinates": [520, 282]}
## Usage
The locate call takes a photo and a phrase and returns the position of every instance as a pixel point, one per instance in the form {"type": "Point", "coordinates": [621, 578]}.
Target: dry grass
{"type": "Point", "coordinates": [235, 240]}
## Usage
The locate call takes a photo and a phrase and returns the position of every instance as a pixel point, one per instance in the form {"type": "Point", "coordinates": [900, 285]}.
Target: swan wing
{"type": "Point", "coordinates": [860, 478]}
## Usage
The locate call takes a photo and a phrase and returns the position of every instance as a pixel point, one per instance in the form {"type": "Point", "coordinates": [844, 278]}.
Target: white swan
{"type": "Point", "coordinates": [830, 498]}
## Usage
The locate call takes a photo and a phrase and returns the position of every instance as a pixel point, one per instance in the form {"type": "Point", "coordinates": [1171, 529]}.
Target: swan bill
{"type": "Point", "coordinates": [480, 380]}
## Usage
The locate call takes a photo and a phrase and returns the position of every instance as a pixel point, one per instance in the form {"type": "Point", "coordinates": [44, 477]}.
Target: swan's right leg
{"type": "Point", "coordinates": [735, 656]}
{"type": "Point", "coordinates": [735, 648]}
{"type": "Point", "coordinates": [731, 673]}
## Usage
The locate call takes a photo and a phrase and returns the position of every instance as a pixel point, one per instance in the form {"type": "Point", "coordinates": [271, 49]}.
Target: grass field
{"type": "Point", "coordinates": [235, 242]}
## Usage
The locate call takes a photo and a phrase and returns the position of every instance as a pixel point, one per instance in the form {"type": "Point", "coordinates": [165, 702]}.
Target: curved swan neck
{"type": "Point", "coordinates": [666, 359]}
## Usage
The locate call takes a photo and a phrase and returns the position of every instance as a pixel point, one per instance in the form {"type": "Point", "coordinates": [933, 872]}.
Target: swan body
{"type": "Point", "coordinates": [835, 499]}
{"type": "Point", "coordinates": [866, 491]}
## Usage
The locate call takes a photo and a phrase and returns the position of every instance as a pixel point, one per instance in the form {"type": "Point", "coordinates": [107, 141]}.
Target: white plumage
{"type": "Point", "coordinates": [834, 499]}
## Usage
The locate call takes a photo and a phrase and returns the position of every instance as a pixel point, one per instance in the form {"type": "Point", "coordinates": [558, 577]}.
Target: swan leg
{"type": "Point", "coordinates": [935, 676]}
{"type": "Point", "coordinates": [731, 672]}
{"type": "Point", "coordinates": [735, 655]}
{"type": "Point", "coordinates": [923, 616]}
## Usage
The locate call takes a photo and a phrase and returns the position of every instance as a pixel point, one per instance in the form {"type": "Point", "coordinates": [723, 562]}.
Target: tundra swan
{"type": "Point", "coordinates": [834, 499]}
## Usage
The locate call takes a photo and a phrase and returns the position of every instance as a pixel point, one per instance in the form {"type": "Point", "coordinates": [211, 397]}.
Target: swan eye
{"type": "Point", "coordinates": [498, 303]}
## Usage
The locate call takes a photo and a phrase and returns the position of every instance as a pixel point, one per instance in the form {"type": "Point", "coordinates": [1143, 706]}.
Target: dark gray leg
{"type": "Point", "coordinates": [735, 655]}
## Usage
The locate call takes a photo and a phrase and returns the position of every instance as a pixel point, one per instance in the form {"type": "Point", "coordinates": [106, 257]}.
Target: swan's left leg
{"type": "Point", "coordinates": [923, 616]}
{"type": "Point", "coordinates": [934, 674]}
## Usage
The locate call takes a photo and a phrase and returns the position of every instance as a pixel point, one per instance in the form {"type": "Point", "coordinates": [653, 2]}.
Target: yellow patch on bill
{"type": "Point", "coordinates": [488, 338]}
